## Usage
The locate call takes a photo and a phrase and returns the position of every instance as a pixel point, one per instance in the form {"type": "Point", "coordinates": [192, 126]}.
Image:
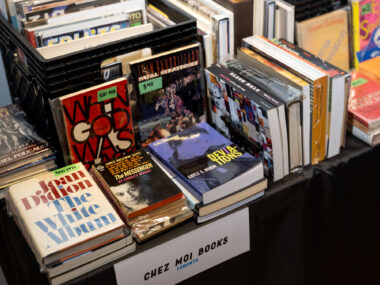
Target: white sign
{"type": "Point", "coordinates": [189, 254]}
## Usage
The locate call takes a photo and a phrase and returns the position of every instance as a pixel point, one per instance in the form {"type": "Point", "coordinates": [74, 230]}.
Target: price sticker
{"type": "Point", "coordinates": [150, 85]}
{"type": "Point", "coordinates": [358, 82]}
{"type": "Point", "coordinates": [106, 94]}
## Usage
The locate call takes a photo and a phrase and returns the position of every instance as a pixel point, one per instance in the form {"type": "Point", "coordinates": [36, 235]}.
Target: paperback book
{"type": "Point", "coordinates": [167, 88]}
{"type": "Point", "coordinates": [211, 165]}
{"type": "Point", "coordinates": [95, 123]}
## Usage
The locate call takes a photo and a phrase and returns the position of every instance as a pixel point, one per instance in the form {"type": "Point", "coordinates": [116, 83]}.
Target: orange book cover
{"type": "Point", "coordinates": [327, 37]}
{"type": "Point", "coordinates": [371, 68]}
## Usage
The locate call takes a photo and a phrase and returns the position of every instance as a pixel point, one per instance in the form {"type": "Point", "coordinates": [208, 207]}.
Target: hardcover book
{"type": "Point", "coordinates": [95, 124]}
{"type": "Point", "coordinates": [20, 143]}
{"type": "Point", "coordinates": [63, 213]}
{"type": "Point", "coordinates": [207, 162]}
{"type": "Point", "coordinates": [168, 92]}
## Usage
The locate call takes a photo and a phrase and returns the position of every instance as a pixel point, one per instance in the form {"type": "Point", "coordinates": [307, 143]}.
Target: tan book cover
{"type": "Point", "coordinates": [63, 213]}
{"type": "Point", "coordinates": [327, 37]}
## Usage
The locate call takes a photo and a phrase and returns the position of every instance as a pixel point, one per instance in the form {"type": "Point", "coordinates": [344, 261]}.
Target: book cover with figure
{"type": "Point", "coordinates": [168, 92]}
{"type": "Point", "coordinates": [209, 163]}
{"type": "Point", "coordinates": [20, 144]}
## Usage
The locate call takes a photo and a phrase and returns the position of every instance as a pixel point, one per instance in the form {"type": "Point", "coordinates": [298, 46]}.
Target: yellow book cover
{"type": "Point", "coordinates": [355, 31]}
{"type": "Point", "coordinates": [327, 37]}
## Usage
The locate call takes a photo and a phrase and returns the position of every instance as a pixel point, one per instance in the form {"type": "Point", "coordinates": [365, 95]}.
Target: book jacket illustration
{"type": "Point", "coordinates": [244, 113]}
{"type": "Point", "coordinates": [62, 208]}
{"type": "Point", "coordinates": [98, 123]}
{"type": "Point", "coordinates": [204, 158]}
{"type": "Point", "coordinates": [138, 183]}
{"type": "Point", "coordinates": [364, 100]}
{"type": "Point", "coordinates": [168, 90]}
{"type": "Point", "coordinates": [18, 137]}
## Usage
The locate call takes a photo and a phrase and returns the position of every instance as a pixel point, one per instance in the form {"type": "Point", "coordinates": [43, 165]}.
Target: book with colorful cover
{"type": "Point", "coordinates": [63, 214]}
{"type": "Point", "coordinates": [211, 165]}
{"type": "Point", "coordinates": [365, 19]}
{"type": "Point", "coordinates": [136, 183]}
{"type": "Point", "coordinates": [371, 67]}
{"type": "Point", "coordinates": [239, 100]}
{"type": "Point", "coordinates": [364, 103]}
{"type": "Point", "coordinates": [20, 143]}
{"type": "Point", "coordinates": [168, 93]}
{"type": "Point", "coordinates": [95, 124]}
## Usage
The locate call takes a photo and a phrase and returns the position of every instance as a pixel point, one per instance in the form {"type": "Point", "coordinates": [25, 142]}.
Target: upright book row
{"type": "Point", "coordinates": [290, 102]}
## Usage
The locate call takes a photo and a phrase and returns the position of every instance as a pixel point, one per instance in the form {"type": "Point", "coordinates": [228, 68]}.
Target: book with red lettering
{"type": "Point", "coordinates": [364, 103]}
{"type": "Point", "coordinates": [95, 124]}
{"type": "Point", "coordinates": [63, 214]}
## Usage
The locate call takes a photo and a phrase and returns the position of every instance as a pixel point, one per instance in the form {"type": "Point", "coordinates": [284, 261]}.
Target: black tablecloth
{"type": "Point", "coordinates": [318, 226]}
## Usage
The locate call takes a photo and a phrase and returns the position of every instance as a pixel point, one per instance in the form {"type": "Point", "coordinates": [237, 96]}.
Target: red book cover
{"type": "Point", "coordinates": [97, 123]}
{"type": "Point", "coordinates": [364, 100]}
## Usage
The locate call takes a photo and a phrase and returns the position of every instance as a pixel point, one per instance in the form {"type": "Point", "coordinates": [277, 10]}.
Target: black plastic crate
{"type": "Point", "coordinates": [41, 79]}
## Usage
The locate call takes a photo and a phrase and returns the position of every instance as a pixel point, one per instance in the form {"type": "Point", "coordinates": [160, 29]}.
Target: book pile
{"type": "Point", "coordinates": [68, 222]}
{"type": "Point", "coordinates": [364, 108]}
{"type": "Point", "coordinates": [145, 197]}
{"type": "Point", "coordinates": [288, 101]}
{"type": "Point", "coordinates": [216, 175]}
{"type": "Point", "coordinates": [23, 153]}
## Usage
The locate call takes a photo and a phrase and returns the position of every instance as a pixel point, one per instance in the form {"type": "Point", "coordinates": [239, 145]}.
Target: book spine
{"type": "Point", "coordinates": [31, 38]}
{"type": "Point", "coordinates": [355, 31]}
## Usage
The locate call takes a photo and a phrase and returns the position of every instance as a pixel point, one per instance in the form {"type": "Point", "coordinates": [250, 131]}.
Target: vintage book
{"type": "Point", "coordinates": [259, 116]}
{"type": "Point", "coordinates": [285, 19]}
{"type": "Point", "coordinates": [207, 162]}
{"type": "Point", "coordinates": [168, 91]}
{"type": "Point", "coordinates": [319, 90]}
{"type": "Point", "coordinates": [242, 10]}
{"type": "Point", "coordinates": [326, 36]}
{"type": "Point", "coordinates": [364, 103]}
{"type": "Point", "coordinates": [144, 196]}
{"type": "Point", "coordinates": [136, 183]}
{"type": "Point", "coordinates": [339, 86]}
{"type": "Point", "coordinates": [371, 67]}
{"type": "Point", "coordinates": [63, 214]}
{"type": "Point", "coordinates": [52, 51]}
{"type": "Point", "coordinates": [290, 97]}
{"type": "Point", "coordinates": [292, 81]}
{"type": "Point", "coordinates": [20, 144]}
{"type": "Point", "coordinates": [365, 19]}
{"type": "Point", "coordinates": [95, 124]}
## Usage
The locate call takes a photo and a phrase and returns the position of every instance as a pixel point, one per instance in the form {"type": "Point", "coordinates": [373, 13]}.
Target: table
{"type": "Point", "coordinates": [318, 226]}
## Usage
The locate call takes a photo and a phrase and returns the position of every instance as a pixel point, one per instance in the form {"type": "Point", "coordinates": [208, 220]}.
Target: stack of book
{"type": "Point", "coordinates": [364, 108]}
{"type": "Point", "coordinates": [68, 222]}
{"type": "Point", "coordinates": [23, 153]}
{"type": "Point", "coordinates": [145, 197]}
{"type": "Point", "coordinates": [216, 175]}
{"type": "Point", "coordinates": [290, 102]}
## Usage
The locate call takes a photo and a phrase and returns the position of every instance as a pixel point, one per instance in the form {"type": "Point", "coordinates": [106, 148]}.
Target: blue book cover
{"type": "Point", "coordinates": [205, 160]}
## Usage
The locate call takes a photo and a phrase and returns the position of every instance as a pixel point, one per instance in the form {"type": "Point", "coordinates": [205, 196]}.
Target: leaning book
{"type": "Point", "coordinates": [95, 124]}
{"type": "Point", "coordinates": [63, 214]}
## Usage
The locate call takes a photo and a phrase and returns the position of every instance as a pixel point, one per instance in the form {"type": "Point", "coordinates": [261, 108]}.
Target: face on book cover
{"type": "Point", "coordinates": [130, 196]}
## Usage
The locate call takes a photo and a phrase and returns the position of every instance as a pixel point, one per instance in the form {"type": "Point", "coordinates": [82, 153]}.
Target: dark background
{"type": "Point", "coordinates": [319, 226]}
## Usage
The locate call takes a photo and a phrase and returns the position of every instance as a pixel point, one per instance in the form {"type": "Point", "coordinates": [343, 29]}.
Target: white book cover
{"type": "Point", "coordinates": [63, 213]}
